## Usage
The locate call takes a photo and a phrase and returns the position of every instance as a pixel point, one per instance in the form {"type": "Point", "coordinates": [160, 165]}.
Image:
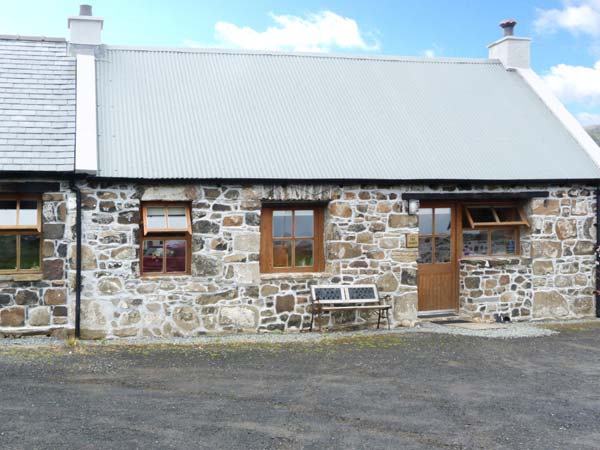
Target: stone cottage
{"type": "Point", "coordinates": [213, 188]}
{"type": "Point", "coordinates": [37, 160]}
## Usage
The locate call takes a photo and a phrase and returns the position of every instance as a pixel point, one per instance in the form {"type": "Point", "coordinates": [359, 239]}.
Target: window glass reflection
{"type": "Point", "coordinates": [282, 253]}
{"type": "Point", "coordinates": [282, 224]}
{"type": "Point", "coordinates": [475, 243]}
{"type": "Point", "coordinates": [443, 220]}
{"type": "Point", "coordinates": [304, 224]}
{"type": "Point", "coordinates": [8, 212]}
{"type": "Point", "coordinates": [28, 212]}
{"type": "Point", "coordinates": [425, 221]}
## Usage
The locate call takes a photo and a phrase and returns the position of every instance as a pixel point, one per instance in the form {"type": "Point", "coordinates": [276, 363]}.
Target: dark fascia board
{"type": "Point", "coordinates": [24, 174]}
{"type": "Point", "coordinates": [473, 195]}
{"type": "Point", "coordinates": [340, 181]}
{"type": "Point", "coordinates": [29, 187]}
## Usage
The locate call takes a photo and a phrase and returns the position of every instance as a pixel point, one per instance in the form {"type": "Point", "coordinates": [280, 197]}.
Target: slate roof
{"type": "Point", "coordinates": [37, 105]}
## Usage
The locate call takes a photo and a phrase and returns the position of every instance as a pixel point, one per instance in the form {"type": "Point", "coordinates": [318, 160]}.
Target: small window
{"type": "Point", "coordinates": [492, 230]}
{"type": "Point", "coordinates": [292, 239]}
{"type": "Point", "coordinates": [490, 216]}
{"type": "Point", "coordinates": [20, 234]}
{"type": "Point", "coordinates": [166, 218]}
{"type": "Point", "coordinates": [166, 238]}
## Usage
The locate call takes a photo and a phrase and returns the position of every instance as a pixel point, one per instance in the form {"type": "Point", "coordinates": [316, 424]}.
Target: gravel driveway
{"type": "Point", "coordinates": [385, 390]}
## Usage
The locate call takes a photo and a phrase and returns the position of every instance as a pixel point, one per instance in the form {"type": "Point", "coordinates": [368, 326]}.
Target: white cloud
{"type": "Point", "coordinates": [587, 118]}
{"type": "Point", "coordinates": [576, 16]}
{"type": "Point", "coordinates": [575, 83]}
{"type": "Point", "coordinates": [317, 32]}
{"type": "Point", "coordinates": [433, 51]}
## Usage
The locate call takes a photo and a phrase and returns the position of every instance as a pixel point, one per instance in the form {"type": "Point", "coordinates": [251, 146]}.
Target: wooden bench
{"type": "Point", "coordinates": [357, 297]}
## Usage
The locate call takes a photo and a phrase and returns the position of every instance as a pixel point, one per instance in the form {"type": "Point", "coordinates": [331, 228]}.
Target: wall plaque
{"type": "Point", "coordinates": [412, 240]}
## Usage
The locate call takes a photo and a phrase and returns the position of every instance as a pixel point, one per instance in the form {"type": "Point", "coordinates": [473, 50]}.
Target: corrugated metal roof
{"type": "Point", "coordinates": [37, 105]}
{"type": "Point", "coordinates": [175, 113]}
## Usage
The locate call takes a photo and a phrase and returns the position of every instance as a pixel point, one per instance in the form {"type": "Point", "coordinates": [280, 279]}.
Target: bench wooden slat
{"type": "Point", "coordinates": [345, 302]}
{"type": "Point", "coordinates": [336, 308]}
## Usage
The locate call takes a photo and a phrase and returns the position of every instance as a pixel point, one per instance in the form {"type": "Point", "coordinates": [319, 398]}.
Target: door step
{"type": "Point", "coordinates": [437, 314]}
{"type": "Point", "coordinates": [449, 321]}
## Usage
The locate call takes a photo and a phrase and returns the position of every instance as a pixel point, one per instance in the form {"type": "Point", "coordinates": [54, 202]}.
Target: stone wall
{"type": "Point", "coordinates": [555, 275]}
{"type": "Point", "coordinates": [364, 233]}
{"type": "Point", "coordinates": [492, 288]}
{"type": "Point", "coordinates": [39, 302]}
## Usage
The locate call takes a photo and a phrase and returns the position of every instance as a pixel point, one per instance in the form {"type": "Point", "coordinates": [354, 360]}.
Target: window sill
{"type": "Point", "coordinates": [37, 276]}
{"type": "Point", "coordinates": [165, 276]}
{"type": "Point", "coordinates": [498, 260]}
{"type": "Point", "coordinates": [484, 257]}
{"type": "Point", "coordinates": [293, 276]}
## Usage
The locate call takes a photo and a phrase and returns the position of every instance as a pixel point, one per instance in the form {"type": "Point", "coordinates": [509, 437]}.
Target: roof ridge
{"type": "Point", "coordinates": [18, 37]}
{"type": "Point", "coordinates": [369, 57]}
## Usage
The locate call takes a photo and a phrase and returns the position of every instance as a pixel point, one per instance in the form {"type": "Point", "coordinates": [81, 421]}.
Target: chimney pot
{"type": "Point", "coordinates": [508, 26]}
{"type": "Point", "coordinates": [85, 10]}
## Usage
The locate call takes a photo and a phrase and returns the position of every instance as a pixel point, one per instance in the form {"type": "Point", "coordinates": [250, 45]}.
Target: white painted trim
{"type": "Point", "coordinates": [86, 142]}
{"type": "Point", "coordinates": [513, 52]}
{"type": "Point", "coordinates": [508, 38]}
{"type": "Point", "coordinates": [85, 30]}
{"type": "Point", "coordinates": [558, 109]}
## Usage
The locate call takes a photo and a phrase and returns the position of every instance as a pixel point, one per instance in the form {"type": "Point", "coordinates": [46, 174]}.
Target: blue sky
{"type": "Point", "coordinates": [565, 47]}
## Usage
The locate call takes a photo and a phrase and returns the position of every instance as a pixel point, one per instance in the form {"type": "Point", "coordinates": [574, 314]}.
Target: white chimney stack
{"type": "Point", "coordinates": [85, 28]}
{"type": "Point", "coordinates": [85, 42]}
{"type": "Point", "coordinates": [512, 51]}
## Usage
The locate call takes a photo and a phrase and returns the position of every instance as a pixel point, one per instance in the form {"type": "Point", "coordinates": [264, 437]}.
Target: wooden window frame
{"type": "Point", "coordinates": [266, 238]}
{"type": "Point", "coordinates": [166, 234]}
{"type": "Point", "coordinates": [166, 205]}
{"type": "Point", "coordinates": [493, 206]}
{"type": "Point", "coordinates": [433, 235]}
{"type": "Point", "coordinates": [23, 230]}
{"type": "Point", "coordinates": [490, 227]}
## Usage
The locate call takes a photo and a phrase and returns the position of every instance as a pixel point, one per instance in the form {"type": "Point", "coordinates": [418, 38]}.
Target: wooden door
{"type": "Point", "coordinates": [438, 266]}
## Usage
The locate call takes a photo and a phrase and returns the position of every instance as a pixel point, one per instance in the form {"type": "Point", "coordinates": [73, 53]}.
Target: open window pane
{"type": "Point", "coordinates": [482, 215]}
{"type": "Point", "coordinates": [304, 223]}
{"type": "Point", "coordinates": [8, 212]}
{"type": "Point", "coordinates": [304, 254]}
{"type": "Point", "coordinates": [510, 214]}
{"type": "Point", "coordinates": [30, 252]}
{"type": "Point", "coordinates": [28, 212]}
{"type": "Point", "coordinates": [176, 255]}
{"type": "Point", "coordinates": [425, 221]}
{"type": "Point", "coordinates": [156, 218]}
{"type": "Point", "coordinates": [503, 242]}
{"type": "Point", "coordinates": [443, 220]}
{"type": "Point", "coordinates": [282, 253]}
{"type": "Point", "coordinates": [8, 252]}
{"type": "Point", "coordinates": [153, 253]}
{"type": "Point", "coordinates": [475, 243]}
{"type": "Point", "coordinates": [443, 249]}
{"type": "Point", "coordinates": [177, 218]}
{"type": "Point", "coordinates": [465, 219]}
{"type": "Point", "coordinates": [425, 250]}
{"type": "Point", "coordinates": [282, 224]}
